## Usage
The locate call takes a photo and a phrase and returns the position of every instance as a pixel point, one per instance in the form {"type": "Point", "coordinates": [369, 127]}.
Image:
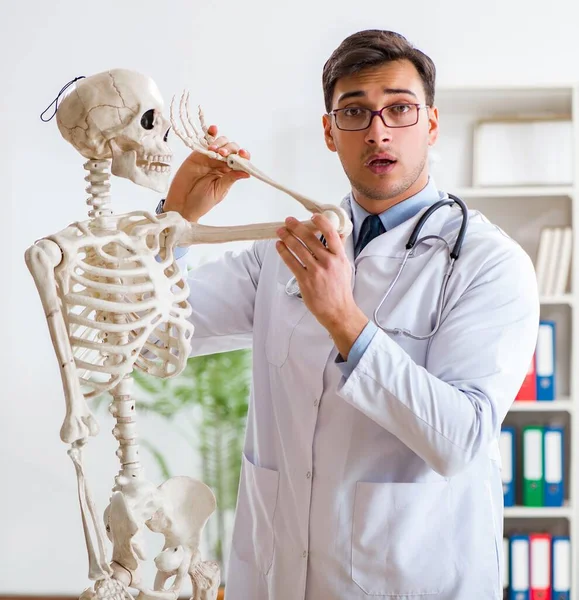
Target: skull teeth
{"type": "Point", "coordinates": [157, 163]}
{"type": "Point", "coordinates": [158, 158]}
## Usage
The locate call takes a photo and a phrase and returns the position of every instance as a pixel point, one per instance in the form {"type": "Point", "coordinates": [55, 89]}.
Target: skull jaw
{"type": "Point", "coordinates": [124, 164]}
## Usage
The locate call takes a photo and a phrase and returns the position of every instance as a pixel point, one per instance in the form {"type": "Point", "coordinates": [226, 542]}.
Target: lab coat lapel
{"type": "Point", "coordinates": [349, 241]}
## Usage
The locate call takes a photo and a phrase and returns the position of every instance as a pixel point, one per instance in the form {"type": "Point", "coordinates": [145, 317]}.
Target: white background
{"type": "Point", "coordinates": [255, 66]}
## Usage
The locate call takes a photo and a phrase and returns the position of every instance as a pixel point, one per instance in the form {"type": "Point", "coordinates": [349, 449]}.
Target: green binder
{"type": "Point", "coordinates": [533, 466]}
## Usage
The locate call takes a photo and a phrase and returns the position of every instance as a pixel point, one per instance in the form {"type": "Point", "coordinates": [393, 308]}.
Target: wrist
{"type": "Point", "coordinates": [171, 204]}
{"type": "Point", "coordinates": [347, 329]}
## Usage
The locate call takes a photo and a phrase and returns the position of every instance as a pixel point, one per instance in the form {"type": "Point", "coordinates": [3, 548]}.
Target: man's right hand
{"type": "Point", "coordinates": [202, 182]}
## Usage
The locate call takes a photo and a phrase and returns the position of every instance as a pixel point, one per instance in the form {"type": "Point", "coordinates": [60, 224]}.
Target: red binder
{"type": "Point", "coordinates": [528, 390]}
{"type": "Point", "coordinates": [540, 566]}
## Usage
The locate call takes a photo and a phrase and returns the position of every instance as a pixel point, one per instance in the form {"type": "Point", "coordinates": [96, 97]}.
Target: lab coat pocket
{"type": "Point", "coordinates": [401, 538]}
{"type": "Point", "coordinates": [286, 313]}
{"type": "Point", "coordinates": [253, 536]}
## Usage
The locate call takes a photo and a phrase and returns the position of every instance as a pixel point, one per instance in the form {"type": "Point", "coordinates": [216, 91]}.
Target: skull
{"type": "Point", "coordinates": [118, 114]}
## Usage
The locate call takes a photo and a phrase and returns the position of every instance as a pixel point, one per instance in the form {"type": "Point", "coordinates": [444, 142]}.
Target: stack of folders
{"type": "Point", "coordinates": [537, 566]}
{"type": "Point", "coordinates": [542, 465]}
{"type": "Point", "coordinates": [539, 383]}
{"type": "Point", "coordinates": [554, 260]}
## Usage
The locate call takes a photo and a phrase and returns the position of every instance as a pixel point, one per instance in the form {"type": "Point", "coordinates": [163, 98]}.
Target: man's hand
{"type": "Point", "coordinates": [324, 275]}
{"type": "Point", "coordinates": [202, 182]}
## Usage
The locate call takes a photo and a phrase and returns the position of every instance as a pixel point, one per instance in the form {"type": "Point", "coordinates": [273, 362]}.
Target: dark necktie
{"type": "Point", "coordinates": [371, 227]}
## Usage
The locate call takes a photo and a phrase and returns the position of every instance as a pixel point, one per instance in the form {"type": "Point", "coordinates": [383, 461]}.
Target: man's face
{"type": "Point", "coordinates": [385, 165]}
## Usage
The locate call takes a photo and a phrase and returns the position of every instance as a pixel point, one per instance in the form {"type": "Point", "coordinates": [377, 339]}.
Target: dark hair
{"type": "Point", "coordinates": [372, 48]}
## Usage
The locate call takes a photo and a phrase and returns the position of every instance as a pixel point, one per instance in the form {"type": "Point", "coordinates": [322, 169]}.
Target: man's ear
{"type": "Point", "coordinates": [328, 137]}
{"type": "Point", "coordinates": [432, 125]}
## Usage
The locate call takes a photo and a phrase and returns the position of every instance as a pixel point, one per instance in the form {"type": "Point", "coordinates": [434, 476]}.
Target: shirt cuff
{"type": "Point", "coordinates": [357, 351]}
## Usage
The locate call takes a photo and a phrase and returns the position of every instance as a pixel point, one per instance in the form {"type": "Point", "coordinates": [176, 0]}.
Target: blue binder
{"type": "Point", "coordinates": [554, 466]}
{"type": "Point", "coordinates": [519, 567]}
{"type": "Point", "coordinates": [545, 361]}
{"type": "Point", "coordinates": [561, 561]}
{"type": "Point", "coordinates": [507, 448]}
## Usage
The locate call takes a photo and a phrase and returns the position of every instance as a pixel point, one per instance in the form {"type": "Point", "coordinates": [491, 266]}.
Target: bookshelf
{"type": "Point", "coordinates": [529, 512]}
{"type": "Point", "coordinates": [562, 404]}
{"type": "Point", "coordinates": [523, 211]}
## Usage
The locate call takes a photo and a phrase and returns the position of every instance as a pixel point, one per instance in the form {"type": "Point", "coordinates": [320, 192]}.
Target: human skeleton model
{"type": "Point", "coordinates": [115, 300]}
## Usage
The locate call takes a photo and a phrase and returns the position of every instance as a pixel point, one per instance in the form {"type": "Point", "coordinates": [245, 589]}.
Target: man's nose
{"type": "Point", "coordinates": [377, 132]}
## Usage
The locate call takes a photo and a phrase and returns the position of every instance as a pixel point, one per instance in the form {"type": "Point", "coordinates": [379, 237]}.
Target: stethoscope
{"type": "Point", "coordinates": [292, 288]}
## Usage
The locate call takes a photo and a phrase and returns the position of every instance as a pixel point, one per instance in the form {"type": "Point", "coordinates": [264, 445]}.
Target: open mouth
{"type": "Point", "coordinates": [381, 165]}
{"type": "Point", "coordinates": [159, 164]}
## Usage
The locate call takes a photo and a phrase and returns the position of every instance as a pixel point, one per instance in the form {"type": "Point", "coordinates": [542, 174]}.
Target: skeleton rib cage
{"type": "Point", "coordinates": [123, 299]}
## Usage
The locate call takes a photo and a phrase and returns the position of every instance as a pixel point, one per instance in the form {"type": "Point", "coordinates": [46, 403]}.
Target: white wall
{"type": "Point", "coordinates": [256, 68]}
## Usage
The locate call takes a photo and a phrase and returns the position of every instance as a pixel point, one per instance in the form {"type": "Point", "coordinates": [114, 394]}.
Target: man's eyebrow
{"type": "Point", "coordinates": [361, 94]}
{"type": "Point", "coordinates": [399, 91]}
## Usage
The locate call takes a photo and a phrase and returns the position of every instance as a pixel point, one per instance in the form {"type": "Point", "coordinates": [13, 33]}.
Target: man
{"type": "Point", "coordinates": [371, 463]}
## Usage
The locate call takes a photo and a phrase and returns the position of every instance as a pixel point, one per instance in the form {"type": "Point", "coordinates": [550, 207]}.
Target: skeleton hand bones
{"type": "Point", "coordinates": [201, 140]}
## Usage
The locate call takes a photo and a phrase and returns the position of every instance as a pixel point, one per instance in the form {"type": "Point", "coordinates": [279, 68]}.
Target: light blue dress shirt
{"type": "Point", "coordinates": [391, 217]}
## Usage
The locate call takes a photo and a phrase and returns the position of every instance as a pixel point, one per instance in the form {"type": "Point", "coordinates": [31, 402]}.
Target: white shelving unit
{"type": "Point", "coordinates": [522, 212]}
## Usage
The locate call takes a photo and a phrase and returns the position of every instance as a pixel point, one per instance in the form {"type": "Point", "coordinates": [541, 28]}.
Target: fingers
{"type": "Point", "coordinates": [333, 240]}
{"type": "Point", "coordinates": [223, 146]}
{"type": "Point", "coordinates": [307, 233]}
{"type": "Point", "coordinates": [231, 177]}
{"type": "Point", "coordinates": [293, 264]}
{"type": "Point", "coordinates": [302, 242]}
{"type": "Point", "coordinates": [222, 142]}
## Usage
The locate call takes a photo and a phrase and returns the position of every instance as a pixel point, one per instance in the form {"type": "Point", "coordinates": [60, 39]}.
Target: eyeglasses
{"type": "Point", "coordinates": [355, 118]}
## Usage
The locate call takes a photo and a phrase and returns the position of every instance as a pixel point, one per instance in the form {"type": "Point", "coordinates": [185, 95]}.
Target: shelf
{"type": "Point", "coordinates": [563, 405]}
{"type": "Point", "coordinates": [505, 100]}
{"type": "Point", "coordinates": [547, 191]}
{"type": "Point", "coordinates": [532, 512]}
{"type": "Point", "coordinates": [564, 299]}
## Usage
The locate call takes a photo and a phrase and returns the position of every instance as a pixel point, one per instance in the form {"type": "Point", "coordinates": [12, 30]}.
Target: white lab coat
{"type": "Point", "coordinates": [387, 483]}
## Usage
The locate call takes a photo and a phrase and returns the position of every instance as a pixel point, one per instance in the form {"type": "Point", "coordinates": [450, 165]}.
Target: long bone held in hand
{"type": "Point", "coordinates": [200, 141]}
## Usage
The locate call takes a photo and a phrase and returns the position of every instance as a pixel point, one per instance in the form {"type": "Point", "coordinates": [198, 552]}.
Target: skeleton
{"type": "Point", "coordinates": [115, 300]}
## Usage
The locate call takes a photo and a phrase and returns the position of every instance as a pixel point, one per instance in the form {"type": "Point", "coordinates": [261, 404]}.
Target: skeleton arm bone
{"type": "Point", "coordinates": [206, 234]}
{"type": "Point", "coordinates": [199, 141]}
{"type": "Point", "coordinates": [41, 259]}
{"type": "Point", "coordinates": [98, 566]}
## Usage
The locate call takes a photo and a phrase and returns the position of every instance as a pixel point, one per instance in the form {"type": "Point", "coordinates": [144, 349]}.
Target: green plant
{"type": "Point", "coordinates": [207, 401]}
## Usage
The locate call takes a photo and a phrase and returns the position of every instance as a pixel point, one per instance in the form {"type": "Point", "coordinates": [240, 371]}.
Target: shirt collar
{"type": "Point", "coordinates": [397, 214]}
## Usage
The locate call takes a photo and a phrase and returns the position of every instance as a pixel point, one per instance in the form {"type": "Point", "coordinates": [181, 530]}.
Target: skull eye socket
{"type": "Point", "coordinates": [148, 119]}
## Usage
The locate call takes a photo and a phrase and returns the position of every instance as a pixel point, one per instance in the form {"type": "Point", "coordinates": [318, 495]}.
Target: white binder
{"type": "Point", "coordinates": [561, 567]}
{"type": "Point", "coordinates": [520, 559]}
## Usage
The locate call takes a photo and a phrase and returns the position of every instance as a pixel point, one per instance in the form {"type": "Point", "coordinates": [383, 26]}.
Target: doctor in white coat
{"type": "Point", "coordinates": [371, 465]}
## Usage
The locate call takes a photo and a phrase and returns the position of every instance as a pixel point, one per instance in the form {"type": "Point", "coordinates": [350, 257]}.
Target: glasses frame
{"type": "Point", "coordinates": [374, 113]}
